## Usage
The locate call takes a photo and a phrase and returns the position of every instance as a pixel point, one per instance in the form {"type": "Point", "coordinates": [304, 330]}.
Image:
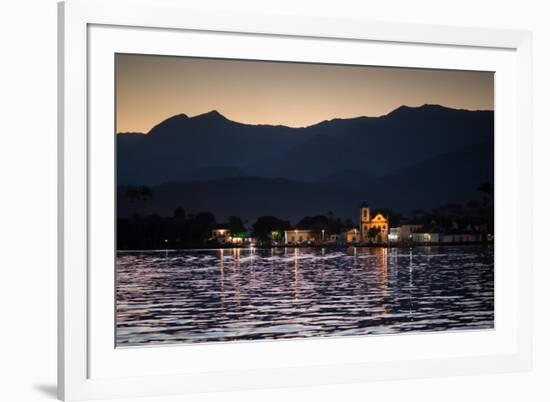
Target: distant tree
{"type": "Point", "coordinates": [178, 228]}
{"type": "Point", "coordinates": [236, 225]}
{"type": "Point", "coordinates": [348, 224]}
{"type": "Point", "coordinates": [335, 226]}
{"type": "Point", "coordinates": [372, 233]}
{"type": "Point", "coordinates": [473, 204]}
{"type": "Point", "coordinates": [395, 218]}
{"type": "Point", "coordinates": [487, 193]}
{"type": "Point", "coordinates": [179, 214]}
{"type": "Point", "coordinates": [419, 216]}
{"type": "Point", "coordinates": [315, 223]}
{"type": "Point", "coordinates": [328, 223]}
{"type": "Point", "coordinates": [265, 225]}
{"type": "Point", "coordinates": [202, 225]}
{"type": "Point", "coordinates": [276, 235]}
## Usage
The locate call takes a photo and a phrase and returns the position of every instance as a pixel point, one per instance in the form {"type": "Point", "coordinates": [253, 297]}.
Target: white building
{"type": "Point", "coordinates": [422, 237]}
{"type": "Point", "coordinates": [395, 235]}
{"type": "Point", "coordinates": [224, 236]}
{"type": "Point", "coordinates": [298, 236]}
{"type": "Point", "coordinates": [403, 232]}
{"type": "Point", "coordinates": [353, 236]}
{"type": "Point", "coordinates": [461, 238]}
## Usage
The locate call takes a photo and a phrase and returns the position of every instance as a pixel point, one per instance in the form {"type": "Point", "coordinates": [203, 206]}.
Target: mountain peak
{"type": "Point", "coordinates": [180, 116]}
{"type": "Point", "coordinates": [405, 110]}
{"type": "Point", "coordinates": [211, 115]}
{"type": "Point", "coordinates": [169, 123]}
{"type": "Point", "coordinates": [432, 106]}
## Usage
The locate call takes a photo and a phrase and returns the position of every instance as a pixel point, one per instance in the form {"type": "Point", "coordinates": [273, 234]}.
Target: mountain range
{"type": "Point", "coordinates": [413, 157]}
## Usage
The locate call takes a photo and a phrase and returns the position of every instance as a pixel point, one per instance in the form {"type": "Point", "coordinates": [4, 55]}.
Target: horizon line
{"type": "Point", "coordinates": [217, 112]}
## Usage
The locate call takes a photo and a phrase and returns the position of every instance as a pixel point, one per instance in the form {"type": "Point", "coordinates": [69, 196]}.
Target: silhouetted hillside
{"type": "Point", "coordinates": [247, 197]}
{"type": "Point", "coordinates": [179, 147]}
{"type": "Point", "coordinates": [447, 178]}
{"type": "Point", "coordinates": [377, 146]}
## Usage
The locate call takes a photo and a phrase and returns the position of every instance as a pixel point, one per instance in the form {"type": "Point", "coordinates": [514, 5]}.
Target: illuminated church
{"type": "Point", "coordinates": [368, 222]}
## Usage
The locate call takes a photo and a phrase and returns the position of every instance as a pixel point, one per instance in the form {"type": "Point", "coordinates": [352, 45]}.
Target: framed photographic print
{"type": "Point", "coordinates": [259, 201]}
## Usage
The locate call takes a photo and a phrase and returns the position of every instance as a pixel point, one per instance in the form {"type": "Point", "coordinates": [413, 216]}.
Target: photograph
{"type": "Point", "coordinates": [281, 200]}
{"type": "Point", "coordinates": [268, 200]}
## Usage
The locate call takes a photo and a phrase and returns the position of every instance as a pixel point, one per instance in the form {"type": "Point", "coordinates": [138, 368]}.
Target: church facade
{"type": "Point", "coordinates": [373, 227]}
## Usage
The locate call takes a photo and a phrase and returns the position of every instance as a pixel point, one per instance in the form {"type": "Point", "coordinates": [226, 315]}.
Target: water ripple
{"type": "Point", "coordinates": [249, 294]}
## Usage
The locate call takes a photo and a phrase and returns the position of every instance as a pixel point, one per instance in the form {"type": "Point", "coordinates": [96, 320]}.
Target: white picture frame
{"type": "Point", "coordinates": [89, 365]}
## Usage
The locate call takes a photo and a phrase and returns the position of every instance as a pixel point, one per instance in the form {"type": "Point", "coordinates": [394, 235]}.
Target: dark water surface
{"type": "Point", "coordinates": [248, 294]}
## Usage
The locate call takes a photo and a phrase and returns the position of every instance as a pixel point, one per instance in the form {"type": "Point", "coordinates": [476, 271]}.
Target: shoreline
{"type": "Point", "coordinates": [314, 246]}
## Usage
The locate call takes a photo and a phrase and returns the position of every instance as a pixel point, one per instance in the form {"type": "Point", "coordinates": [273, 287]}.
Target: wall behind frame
{"type": "Point", "coordinates": [28, 163]}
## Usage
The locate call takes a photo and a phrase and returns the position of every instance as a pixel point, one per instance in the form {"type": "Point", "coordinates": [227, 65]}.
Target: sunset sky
{"type": "Point", "coordinates": [150, 89]}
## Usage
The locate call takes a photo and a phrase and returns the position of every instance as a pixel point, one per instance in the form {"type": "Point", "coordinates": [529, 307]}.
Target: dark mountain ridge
{"type": "Point", "coordinates": [180, 146]}
{"type": "Point", "coordinates": [448, 178]}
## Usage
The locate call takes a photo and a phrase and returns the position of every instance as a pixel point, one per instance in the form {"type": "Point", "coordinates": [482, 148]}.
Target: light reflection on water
{"type": "Point", "coordinates": [248, 294]}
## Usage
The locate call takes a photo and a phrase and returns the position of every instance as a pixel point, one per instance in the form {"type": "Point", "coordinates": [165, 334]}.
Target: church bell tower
{"type": "Point", "coordinates": [364, 221]}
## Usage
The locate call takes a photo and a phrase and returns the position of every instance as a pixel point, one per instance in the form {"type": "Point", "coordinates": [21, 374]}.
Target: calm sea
{"type": "Point", "coordinates": [253, 294]}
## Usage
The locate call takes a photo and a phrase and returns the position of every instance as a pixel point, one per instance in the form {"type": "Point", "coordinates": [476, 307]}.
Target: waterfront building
{"type": "Point", "coordinates": [299, 236]}
{"type": "Point", "coordinates": [432, 237]}
{"type": "Point", "coordinates": [224, 236]}
{"type": "Point", "coordinates": [353, 236]}
{"type": "Point", "coordinates": [221, 235]}
{"type": "Point", "coordinates": [394, 236]}
{"type": "Point", "coordinates": [403, 232]}
{"type": "Point", "coordinates": [407, 229]}
{"type": "Point", "coordinates": [462, 238]}
{"type": "Point", "coordinates": [426, 237]}
{"type": "Point", "coordinates": [374, 221]}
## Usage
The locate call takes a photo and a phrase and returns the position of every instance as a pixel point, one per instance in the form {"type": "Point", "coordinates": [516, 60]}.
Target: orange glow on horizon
{"type": "Point", "coordinates": [150, 89]}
